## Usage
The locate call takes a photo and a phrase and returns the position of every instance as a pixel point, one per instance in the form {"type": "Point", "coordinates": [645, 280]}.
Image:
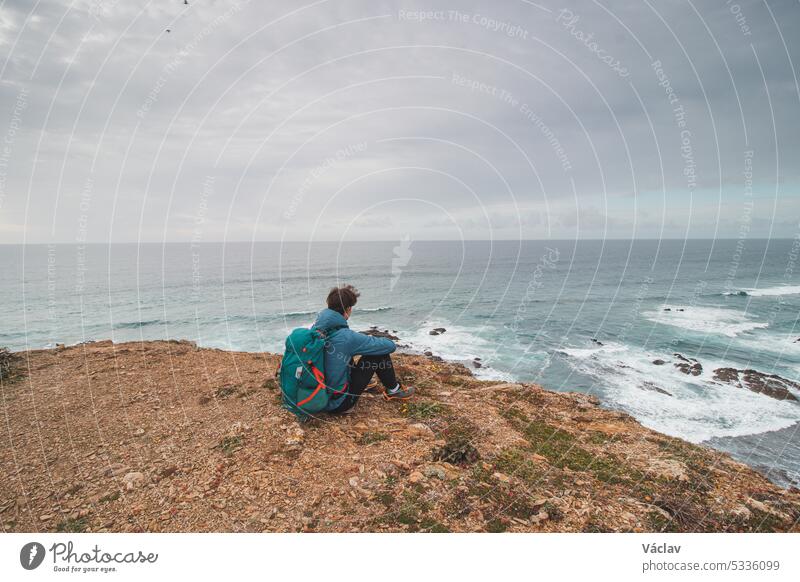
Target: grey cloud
{"type": "Point", "coordinates": [146, 116]}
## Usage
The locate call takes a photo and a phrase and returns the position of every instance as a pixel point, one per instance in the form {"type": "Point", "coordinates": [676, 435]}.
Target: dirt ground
{"type": "Point", "coordinates": [163, 436]}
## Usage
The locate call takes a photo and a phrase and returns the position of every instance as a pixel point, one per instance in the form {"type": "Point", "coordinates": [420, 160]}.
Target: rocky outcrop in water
{"type": "Point", "coordinates": [770, 385]}
{"type": "Point", "coordinates": [437, 331]}
{"type": "Point", "coordinates": [375, 332]}
{"type": "Point", "coordinates": [688, 366]}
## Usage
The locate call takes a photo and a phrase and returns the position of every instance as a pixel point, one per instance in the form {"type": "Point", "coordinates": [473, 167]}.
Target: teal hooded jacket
{"type": "Point", "coordinates": [341, 346]}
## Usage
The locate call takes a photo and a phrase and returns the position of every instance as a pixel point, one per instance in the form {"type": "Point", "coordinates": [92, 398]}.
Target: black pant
{"type": "Point", "coordinates": [360, 375]}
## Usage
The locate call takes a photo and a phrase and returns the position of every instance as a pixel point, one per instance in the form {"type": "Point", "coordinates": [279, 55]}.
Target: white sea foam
{"type": "Point", "coordinates": [696, 409]}
{"type": "Point", "coordinates": [315, 311]}
{"type": "Point", "coordinates": [774, 291]}
{"type": "Point", "coordinates": [589, 352]}
{"type": "Point", "coordinates": [706, 320]}
{"type": "Point", "coordinates": [457, 344]}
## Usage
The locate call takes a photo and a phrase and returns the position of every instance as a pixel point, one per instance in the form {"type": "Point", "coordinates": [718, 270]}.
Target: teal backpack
{"type": "Point", "coordinates": [302, 372]}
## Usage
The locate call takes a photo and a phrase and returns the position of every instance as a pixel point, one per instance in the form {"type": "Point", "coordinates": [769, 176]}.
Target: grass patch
{"type": "Point", "coordinates": [761, 521]}
{"type": "Point", "coordinates": [231, 444]}
{"type": "Point", "coordinates": [386, 498]}
{"type": "Point", "coordinates": [686, 514]}
{"type": "Point", "coordinates": [432, 526]}
{"type": "Point", "coordinates": [71, 525]}
{"type": "Point", "coordinates": [514, 413]}
{"type": "Point", "coordinates": [594, 526]}
{"type": "Point", "coordinates": [410, 511]}
{"type": "Point", "coordinates": [496, 525]}
{"type": "Point", "coordinates": [370, 438]}
{"type": "Point", "coordinates": [225, 392]}
{"type": "Point", "coordinates": [515, 462]}
{"type": "Point", "coordinates": [562, 450]}
{"type": "Point", "coordinates": [504, 500]}
{"type": "Point", "coordinates": [10, 365]}
{"type": "Point", "coordinates": [598, 438]}
{"type": "Point", "coordinates": [423, 410]}
{"type": "Point", "coordinates": [458, 450]}
{"type": "Point", "coordinates": [553, 512]}
{"type": "Point", "coordinates": [454, 380]}
{"type": "Point", "coordinates": [110, 497]}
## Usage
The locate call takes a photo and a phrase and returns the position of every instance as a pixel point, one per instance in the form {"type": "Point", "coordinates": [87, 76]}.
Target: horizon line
{"type": "Point", "coordinates": [149, 242]}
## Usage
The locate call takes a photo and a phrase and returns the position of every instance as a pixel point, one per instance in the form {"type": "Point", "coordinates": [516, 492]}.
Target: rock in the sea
{"type": "Point", "coordinates": [770, 385]}
{"type": "Point", "coordinates": [659, 362]}
{"type": "Point", "coordinates": [437, 331]}
{"type": "Point", "coordinates": [651, 386]}
{"type": "Point", "coordinates": [597, 341]}
{"type": "Point", "coordinates": [375, 332]}
{"type": "Point", "coordinates": [688, 365]}
{"type": "Point", "coordinates": [477, 363]}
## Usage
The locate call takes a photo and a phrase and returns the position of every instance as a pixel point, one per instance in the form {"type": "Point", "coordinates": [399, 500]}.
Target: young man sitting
{"type": "Point", "coordinates": [347, 378]}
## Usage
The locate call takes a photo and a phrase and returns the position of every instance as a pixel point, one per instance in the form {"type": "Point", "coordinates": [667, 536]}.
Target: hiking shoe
{"type": "Point", "coordinates": [373, 387]}
{"type": "Point", "coordinates": [399, 393]}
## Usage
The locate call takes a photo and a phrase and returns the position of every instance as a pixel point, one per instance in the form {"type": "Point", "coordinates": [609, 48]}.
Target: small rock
{"type": "Point", "coordinates": [669, 469]}
{"type": "Point", "coordinates": [46, 517]}
{"type": "Point", "coordinates": [115, 470]}
{"type": "Point", "coordinates": [400, 464]}
{"type": "Point", "coordinates": [742, 512]}
{"type": "Point", "coordinates": [139, 432]}
{"type": "Point", "coordinates": [659, 362]}
{"type": "Point", "coordinates": [419, 430]}
{"type": "Point", "coordinates": [501, 477]}
{"type": "Point", "coordinates": [353, 482]}
{"type": "Point", "coordinates": [434, 471]}
{"type": "Point", "coordinates": [758, 506]}
{"type": "Point", "coordinates": [689, 366]}
{"type": "Point", "coordinates": [416, 477]}
{"type": "Point", "coordinates": [133, 479]}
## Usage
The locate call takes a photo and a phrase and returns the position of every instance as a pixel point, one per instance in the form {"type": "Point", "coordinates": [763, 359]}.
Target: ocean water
{"type": "Point", "coordinates": [588, 316]}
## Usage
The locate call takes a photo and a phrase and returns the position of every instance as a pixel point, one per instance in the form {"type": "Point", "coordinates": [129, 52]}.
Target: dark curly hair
{"type": "Point", "coordinates": [342, 298]}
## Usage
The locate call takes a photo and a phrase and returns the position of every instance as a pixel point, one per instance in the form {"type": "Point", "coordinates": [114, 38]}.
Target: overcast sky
{"type": "Point", "coordinates": [133, 120]}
